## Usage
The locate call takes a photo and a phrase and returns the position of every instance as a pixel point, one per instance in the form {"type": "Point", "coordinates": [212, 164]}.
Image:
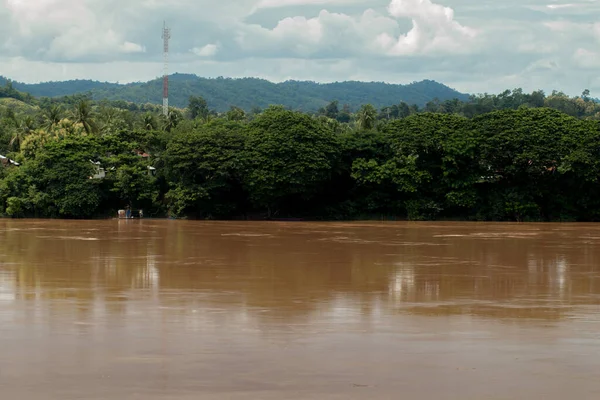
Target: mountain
{"type": "Point", "coordinates": [221, 93]}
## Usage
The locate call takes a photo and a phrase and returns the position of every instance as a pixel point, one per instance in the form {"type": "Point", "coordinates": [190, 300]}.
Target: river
{"type": "Point", "coordinates": [187, 310]}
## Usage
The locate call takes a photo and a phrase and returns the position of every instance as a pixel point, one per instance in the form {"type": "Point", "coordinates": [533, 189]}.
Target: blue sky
{"type": "Point", "coordinates": [475, 46]}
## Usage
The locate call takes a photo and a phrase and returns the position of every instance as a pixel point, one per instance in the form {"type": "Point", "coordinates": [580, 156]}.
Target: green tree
{"type": "Point", "coordinates": [523, 153]}
{"type": "Point", "coordinates": [172, 119]}
{"type": "Point", "coordinates": [289, 159]}
{"type": "Point", "coordinates": [52, 116]}
{"type": "Point", "coordinates": [25, 126]}
{"type": "Point", "coordinates": [414, 175]}
{"type": "Point", "coordinates": [198, 107]}
{"type": "Point", "coordinates": [203, 169]}
{"type": "Point", "coordinates": [332, 110]}
{"type": "Point", "coordinates": [56, 183]}
{"type": "Point", "coordinates": [345, 115]}
{"type": "Point", "coordinates": [586, 95]}
{"type": "Point", "coordinates": [366, 117]}
{"type": "Point", "coordinates": [83, 114]}
{"type": "Point", "coordinates": [149, 122]}
{"type": "Point", "coordinates": [135, 185]}
{"type": "Point", "coordinates": [235, 114]}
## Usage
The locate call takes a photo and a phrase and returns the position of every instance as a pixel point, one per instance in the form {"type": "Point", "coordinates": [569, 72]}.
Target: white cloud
{"type": "Point", "coordinates": [287, 3]}
{"type": "Point", "coordinates": [65, 30]}
{"type": "Point", "coordinates": [433, 29]}
{"type": "Point", "coordinates": [329, 34]}
{"type": "Point", "coordinates": [474, 46]}
{"type": "Point", "coordinates": [582, 7]}
{"type": "Point", "coordinates": [128, 47]}
{"type": "Point", "coordinates": [206, 51]}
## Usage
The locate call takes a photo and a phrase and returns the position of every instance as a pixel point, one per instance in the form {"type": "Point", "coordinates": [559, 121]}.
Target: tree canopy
{"type": "Point", "coordinates": [512, 156]}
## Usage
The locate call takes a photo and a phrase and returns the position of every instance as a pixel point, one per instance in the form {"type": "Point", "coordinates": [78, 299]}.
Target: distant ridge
{"type": "Point", "coordinates": [247, 93]}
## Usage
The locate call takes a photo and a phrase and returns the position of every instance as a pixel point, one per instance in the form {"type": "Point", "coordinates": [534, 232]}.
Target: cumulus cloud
{"type": "Point", "coordinates": [433, 29]}
{"type": "Point", "coordinates": [473, 46]}
{"type": "Point", "coordinates": [64, 30]}
{"type": "Point", "coordinates": [327, 35]}
{"type": "Point", "coordinates": [206, 51]}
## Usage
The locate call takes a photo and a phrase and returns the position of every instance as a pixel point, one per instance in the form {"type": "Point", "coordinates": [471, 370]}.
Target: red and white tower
{"type": "Point", "coordinates": [166, 35]}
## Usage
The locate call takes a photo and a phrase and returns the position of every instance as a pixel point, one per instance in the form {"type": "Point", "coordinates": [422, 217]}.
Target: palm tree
{"type": "Point", "coordinates": [366, 117]}
{"type": "Point", "coordinates": [24, 127]}
{"type": "Point", "coordinates": [84, 115]}
{"type": "Point", "coordinates": [172, 120]}
{"type": "Point", "coordinates": [111, 119]}
{"type": "Point", "coordinates": [52, 117]}
{"type": "Point", "coordinates": [149, 122]}
{"type": "Point", "coordinates": [333, 124]}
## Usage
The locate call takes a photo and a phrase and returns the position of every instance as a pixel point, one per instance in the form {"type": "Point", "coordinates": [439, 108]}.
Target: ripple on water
{"type": "Point", "coordinates": [241, 234]}
{"type": "Point", "coordinates": [69, 238]}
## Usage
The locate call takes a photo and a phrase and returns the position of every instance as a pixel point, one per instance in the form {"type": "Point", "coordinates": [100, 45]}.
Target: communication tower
{"type": "Point", "coordinates": [166, 35]}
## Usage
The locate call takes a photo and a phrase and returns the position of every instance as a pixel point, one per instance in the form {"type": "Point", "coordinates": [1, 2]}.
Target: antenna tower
{"type": "Point", "coordinates": [166, 35]}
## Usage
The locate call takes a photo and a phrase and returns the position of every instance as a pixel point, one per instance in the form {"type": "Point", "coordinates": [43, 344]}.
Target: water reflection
{"type": "Point", "coordinates": [7, 286]}
{"type": "Point", "coordinates": [274, 274]}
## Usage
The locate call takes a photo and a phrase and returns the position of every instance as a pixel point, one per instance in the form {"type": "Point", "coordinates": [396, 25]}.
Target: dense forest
{"type": "Point", "coordinates": [512, 156]}
{"type": "Point", "coordinates": [249, 93]}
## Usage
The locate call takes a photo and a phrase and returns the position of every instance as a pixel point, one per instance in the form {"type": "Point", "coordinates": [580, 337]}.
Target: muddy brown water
{"type": "Point", "coordinates": [235, 310]}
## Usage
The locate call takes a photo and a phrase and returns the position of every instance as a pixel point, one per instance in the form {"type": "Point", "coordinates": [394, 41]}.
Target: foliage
{"type": "Point", "coordinates": [289, 156]}
{"type": "Point", "coordinates": [513, 156]}
{"type": "Point", "coordinates": [56, 182]}
{"type": "Point", "coordinates": [247, 93]}
{"type": "Point", "coordinates": [203, 169]}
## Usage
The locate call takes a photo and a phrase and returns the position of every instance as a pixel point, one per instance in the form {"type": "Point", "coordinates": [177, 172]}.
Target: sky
{"type": "Point", "coordinates": [474, 46]}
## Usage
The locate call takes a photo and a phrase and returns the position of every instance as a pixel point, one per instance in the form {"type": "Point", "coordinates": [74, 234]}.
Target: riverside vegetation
{"type": "Point", "coordinates": [513, 156]}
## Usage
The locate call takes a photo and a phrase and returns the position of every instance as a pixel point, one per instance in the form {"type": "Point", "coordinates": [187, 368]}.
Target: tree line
{"type": "Point", "coordinates": [516, 157]}
{"type": "Point", "coordinates": [248, 93]}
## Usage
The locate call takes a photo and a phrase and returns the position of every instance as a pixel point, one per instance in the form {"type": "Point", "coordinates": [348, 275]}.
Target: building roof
{"type": "Point", "coordinates": [5, 160]}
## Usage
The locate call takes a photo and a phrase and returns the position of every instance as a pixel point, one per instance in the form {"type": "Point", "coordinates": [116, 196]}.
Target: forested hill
{"type": "Point", "coordinates": [247, 93]}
